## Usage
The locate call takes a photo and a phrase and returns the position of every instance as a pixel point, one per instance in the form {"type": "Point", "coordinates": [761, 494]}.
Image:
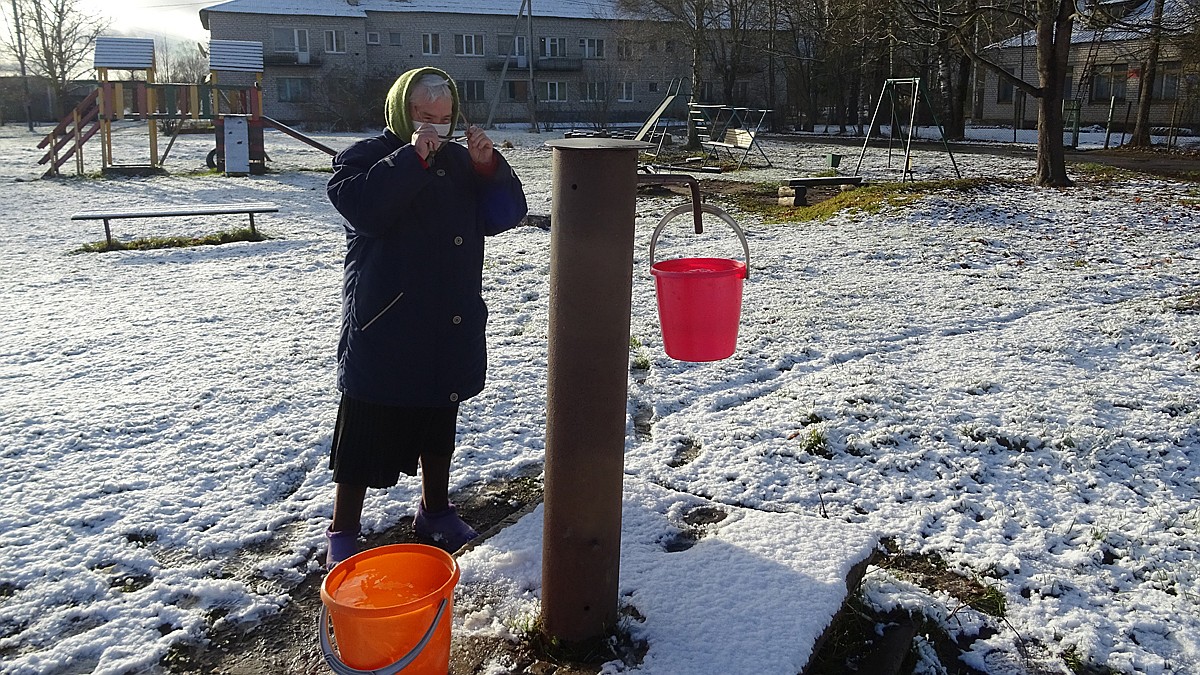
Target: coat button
{"type": "Point", "coordinates": [456, 320]}
{"type": "Point", "coordinates": [441, 172]}
{"type": "Point", "coordinates": [453, 397]}
{"type": "Point", "coordinates": [458, 241]}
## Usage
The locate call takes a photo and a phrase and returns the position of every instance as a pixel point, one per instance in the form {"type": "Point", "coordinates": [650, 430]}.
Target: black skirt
{"type": "Point", "coordinates": [373, 444]}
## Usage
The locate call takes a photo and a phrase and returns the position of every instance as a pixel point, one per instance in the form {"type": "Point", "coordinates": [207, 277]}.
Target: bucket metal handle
{"type": "Point", "coordinates": [706, 208]}
{"type": "Point", "coordinates": [405, 661]}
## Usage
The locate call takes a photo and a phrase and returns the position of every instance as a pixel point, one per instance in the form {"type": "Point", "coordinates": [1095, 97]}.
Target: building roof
{"type": "Point", "coordinates": [1134, 25]}
{"type": "Point", "coordinates": [124, 53]}
{"type": "Point", "coordinates": [570, 9]}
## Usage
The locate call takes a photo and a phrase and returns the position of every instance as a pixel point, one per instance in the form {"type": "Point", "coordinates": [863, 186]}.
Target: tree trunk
{"type": "Point", "coordinates": [1141, 125]}
{"type": "Point", "coordinates": [1055, 19]}
{"type": "Point", "coordinates": [956, 126]}
{"type": "Point", "coordinates": [693, 135]}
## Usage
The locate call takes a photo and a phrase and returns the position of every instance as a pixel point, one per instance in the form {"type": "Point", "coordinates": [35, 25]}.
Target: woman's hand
{"type": "Point", "coordinates": [425, 140]}
{"type": "Point", "coordinates": [480, 147]}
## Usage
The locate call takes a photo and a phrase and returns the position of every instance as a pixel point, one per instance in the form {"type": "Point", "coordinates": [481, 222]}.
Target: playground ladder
{"type": "Point", "coordinates": [69, 135]}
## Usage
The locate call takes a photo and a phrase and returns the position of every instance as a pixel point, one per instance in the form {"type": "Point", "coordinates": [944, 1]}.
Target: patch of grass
{"type": "Point", "coordinates": [150, 243]}
{"type": "Point", "coordinates": [814, 443]}
{"type": "Point", "coordinates": [867, 199]}
{"type": "Point", "coordinates": [1100, 172]}
{"type": "Point", "coordinates": [1079, 666]}
{"type": "Point", "coordinates": [1188, 302]}
{"type": "Point", "coordinates": [931, 572]}
{"type": "Point", "coordinates": [641, 360]}
{"type": "Point", "coordinates": [615, 644]}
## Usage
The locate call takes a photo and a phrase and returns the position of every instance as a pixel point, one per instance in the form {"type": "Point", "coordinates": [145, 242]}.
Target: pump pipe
{"type": "Point", "coordinates": [679, 179]}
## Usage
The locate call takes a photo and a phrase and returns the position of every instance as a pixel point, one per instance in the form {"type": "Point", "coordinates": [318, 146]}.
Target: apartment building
{"type": "Point", "coordinates": [571, 60]}
{"type": "Point", "coordinates": [1109, 49]}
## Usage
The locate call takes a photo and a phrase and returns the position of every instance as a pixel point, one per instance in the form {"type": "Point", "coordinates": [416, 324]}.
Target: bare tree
{"type": "Point", "coordinates": [690, 21]}
{"type": "Point", "coordinates": [180, 61]}
{"type": "Point", "coordinates": [738, 24]}
{"type": "Point", "coordinates": [1141, 126]}
{"type": "Point", "coordinates": [13, 42]}
{"type": "Point", "coordinates": [1052, 22]}
{"type": "Point", "coordinates": [59, 36]}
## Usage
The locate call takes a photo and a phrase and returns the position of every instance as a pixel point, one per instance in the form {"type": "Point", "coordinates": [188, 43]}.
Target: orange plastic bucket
{"type": "Point", "coordinates": [391, 609]}
{"type": "Point", "coordinates": [699, 299]}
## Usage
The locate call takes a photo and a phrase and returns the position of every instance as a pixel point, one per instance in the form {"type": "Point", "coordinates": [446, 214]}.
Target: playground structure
{"type": "Point", "coordinates": [146, 100]}
{"type": "Point", "coordinates": [916, 94]}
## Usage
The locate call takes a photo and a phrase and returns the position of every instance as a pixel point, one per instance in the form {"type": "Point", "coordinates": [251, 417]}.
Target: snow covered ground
{"type": "Point", "coordinates": [1009, 379]}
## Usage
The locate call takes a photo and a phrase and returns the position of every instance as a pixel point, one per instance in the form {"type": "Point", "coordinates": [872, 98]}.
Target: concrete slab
{"type": "Point", "coordinates": [713, 588]}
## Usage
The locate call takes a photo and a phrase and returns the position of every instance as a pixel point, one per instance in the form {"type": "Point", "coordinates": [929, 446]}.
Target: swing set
{"type": "Point", "coordinates": [917, 94]}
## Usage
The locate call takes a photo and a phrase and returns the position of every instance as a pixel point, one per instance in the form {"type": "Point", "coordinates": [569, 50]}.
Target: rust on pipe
{"type": "Point", "coordinates": [591, 282]}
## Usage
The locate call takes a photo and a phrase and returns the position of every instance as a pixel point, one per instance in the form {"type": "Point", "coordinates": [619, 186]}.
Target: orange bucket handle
{"type": "Point", "coordinates": [706, 208]}
{"type": "Point", "coordinates": [405, 661]}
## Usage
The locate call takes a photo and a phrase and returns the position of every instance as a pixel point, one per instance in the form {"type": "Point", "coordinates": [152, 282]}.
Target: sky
{"type": "Point", "coordinates": [1005, 377]}
{"type": "Point", "coordinates": [150, 18]}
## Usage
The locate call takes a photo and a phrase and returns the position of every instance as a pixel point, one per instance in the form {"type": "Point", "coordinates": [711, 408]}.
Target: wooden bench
{"type": "Point", "coordinates": [248, 208]}
{"type": "Point", "coordinates": [796, 193]}
{"type": "Point", "coordinates": [736, 139]}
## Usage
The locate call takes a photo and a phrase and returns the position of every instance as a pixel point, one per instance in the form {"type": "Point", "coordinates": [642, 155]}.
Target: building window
{"type": "Point", "coordinates": [290, 39]}
{"type": "Point", "coordinates": [741, 91]}
{"type": "Point", "coordinates": [708, 92]}
{"type": "Point", "coordinates": [653, 88]}
{"type": "Point", "coordinates": [394, 39]}
{"type": "Point", "coordinates": [626, 92]}
{"type": "Point", "coordinates": [295, 89]}
{"type": "Point", "coordinates": [553, 48]}
{"type": "Point", "coordinates": [372, 38]}
{"type": "Point", "coordinates": [625, 49]}
{"type": "Point", "coordinates": [1068, 88]}
{"type": "Point", "coordinates": [517, 90]}
{"type": "Point", "coordinates": [511, 45]}
{"type": "Point", "coordinates": [471, 90]}
{"type": "Point", "coordinates": [468, 45]}
{"type": "Point", "coordinates": [1166, 81]}
{"type": "Point", "coordinates": [431, 44]}
{"type": "Point", "coordinates": [592, 92]}
{"type": "Point", "coordinates": [591, 48]}
{"type": "Point", "coordinates": [1004, 90]}
{"type": "Point", "coordinates": [335, 42]}
{"type": "Point", "coordinates": [1109, 82]}
{"type": "Point", "coordinates": [556, 92]}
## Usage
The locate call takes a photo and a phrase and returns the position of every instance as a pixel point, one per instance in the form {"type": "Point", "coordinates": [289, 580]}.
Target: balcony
{"type": "Point", "coordinates": [541, 64]}
{"type": "Point", "coordinates": [303, 59]}
{"type": "Point", "coordinates": [514, 62]}
{"type": "Point", "coordinates": [558, 64]}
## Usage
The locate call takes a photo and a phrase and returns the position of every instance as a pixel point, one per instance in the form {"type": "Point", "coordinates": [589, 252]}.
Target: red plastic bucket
{"type": "Point", "coordinates": [699, 299]}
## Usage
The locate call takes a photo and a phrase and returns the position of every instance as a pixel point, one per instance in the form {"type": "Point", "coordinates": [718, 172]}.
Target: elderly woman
{"type": "Point", "coordinates": [412, 348]}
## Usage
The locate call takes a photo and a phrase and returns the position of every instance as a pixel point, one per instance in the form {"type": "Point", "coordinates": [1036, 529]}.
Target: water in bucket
{"type": "Point", "coordinates": [699, 299]}
{"type": "Point", "coordinates": [391, 609]}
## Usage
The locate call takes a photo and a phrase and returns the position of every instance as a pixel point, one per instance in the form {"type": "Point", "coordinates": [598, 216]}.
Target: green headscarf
{"type": "Point", "coordinates": [397, 109]}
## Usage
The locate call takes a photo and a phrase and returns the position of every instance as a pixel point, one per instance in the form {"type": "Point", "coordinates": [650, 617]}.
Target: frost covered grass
{"type": "Point", "coordinates": [1002, 379]}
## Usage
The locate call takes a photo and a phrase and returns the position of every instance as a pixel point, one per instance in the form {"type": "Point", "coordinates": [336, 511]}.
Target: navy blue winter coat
{"type": "Point", "coordinates": [413, 317]}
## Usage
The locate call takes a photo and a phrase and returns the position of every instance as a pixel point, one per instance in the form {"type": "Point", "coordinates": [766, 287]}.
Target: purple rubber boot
{"type": "Point", "coordinates": [443, 527]}
{"type": "Point", "coordinates": [342, 545]}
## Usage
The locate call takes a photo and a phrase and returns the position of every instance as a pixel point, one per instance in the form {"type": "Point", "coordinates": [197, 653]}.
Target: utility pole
{"type": "Point", "coordinates": [21, 60]}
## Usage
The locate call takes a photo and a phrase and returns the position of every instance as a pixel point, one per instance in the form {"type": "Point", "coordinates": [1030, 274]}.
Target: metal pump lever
{"type": "Point", "coordinates": [679, 179]}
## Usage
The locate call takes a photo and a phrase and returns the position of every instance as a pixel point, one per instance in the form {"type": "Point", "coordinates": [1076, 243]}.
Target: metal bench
{"type": "Point", "coordinates": [248, 208]}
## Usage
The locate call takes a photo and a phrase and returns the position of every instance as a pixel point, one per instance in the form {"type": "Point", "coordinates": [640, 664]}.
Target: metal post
{"type": "Point", "coordinates": [591, 283]}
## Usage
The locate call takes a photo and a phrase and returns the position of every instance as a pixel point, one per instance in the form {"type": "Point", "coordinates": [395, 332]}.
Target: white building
{"type": "Point", "coordinates": [572, 60]}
